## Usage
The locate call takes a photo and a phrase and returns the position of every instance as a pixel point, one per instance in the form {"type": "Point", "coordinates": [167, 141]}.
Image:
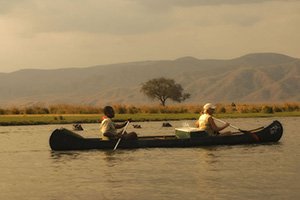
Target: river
{"type": "Point", "coordinates": [31, 170]}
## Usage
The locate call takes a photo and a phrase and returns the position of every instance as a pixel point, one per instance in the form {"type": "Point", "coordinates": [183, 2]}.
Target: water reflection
{"type": "Point", "coordinates": [64, 155]}
{"type": "Point", "coordinates": [113, 158]}
{"type": "Point", "coordinates": [110, 158]}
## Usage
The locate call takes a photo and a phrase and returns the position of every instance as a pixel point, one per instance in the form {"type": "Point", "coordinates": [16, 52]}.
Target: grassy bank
{"type": "Point", "coordinates": [11, 120]}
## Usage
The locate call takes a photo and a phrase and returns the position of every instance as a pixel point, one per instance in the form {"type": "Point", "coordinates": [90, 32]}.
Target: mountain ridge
{"type": "Point", "coordinates": [252, 78]}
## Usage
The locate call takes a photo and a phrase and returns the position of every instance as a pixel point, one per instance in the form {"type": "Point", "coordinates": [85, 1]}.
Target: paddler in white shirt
{"type": "Point", "coordinates": [207, 123]}
{"type": "Point", "coordinates": [109, 128]}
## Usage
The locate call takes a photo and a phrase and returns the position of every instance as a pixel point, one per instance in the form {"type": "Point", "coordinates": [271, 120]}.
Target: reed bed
{"type": "Point", "coordinates": [61, 109]}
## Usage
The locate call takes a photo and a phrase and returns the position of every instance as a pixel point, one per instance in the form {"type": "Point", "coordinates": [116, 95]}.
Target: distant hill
{"type": "Point", "coordinates": [253, 78]}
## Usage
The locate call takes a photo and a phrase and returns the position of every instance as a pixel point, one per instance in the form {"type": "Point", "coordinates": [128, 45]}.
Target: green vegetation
{"type": "Point", "coordinates": [66, 114]}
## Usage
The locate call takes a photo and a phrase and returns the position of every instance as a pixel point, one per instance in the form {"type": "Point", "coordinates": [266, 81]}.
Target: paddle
{"type": "Point", "coordinates": [245, 132]}
{"type": "Point", "coordinates": [122, 134]}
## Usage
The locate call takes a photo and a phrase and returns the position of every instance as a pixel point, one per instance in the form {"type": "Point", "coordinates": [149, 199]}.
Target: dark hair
{"type": "Point", "coordinates": [107, 109]}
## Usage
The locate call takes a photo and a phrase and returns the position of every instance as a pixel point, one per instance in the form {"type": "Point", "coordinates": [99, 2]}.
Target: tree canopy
{"type": "Point", "coordinates": [163, 89]}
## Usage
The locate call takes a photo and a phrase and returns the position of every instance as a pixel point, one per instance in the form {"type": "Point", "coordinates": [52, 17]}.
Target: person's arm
{"type": "Point", "coordinates": [118, 126]}
{"type": "Point", "coordinates": [197, 124]}
{"type": "Point", "coordinates": [214, 126]}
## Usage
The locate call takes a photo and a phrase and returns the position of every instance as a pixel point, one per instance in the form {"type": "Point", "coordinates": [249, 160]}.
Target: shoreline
{"type": "Point", "coordinates": [46, 119]}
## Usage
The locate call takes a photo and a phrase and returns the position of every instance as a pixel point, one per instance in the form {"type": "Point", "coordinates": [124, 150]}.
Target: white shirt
{"type": "Point", "coordinates": [204, 124]}
{"type": "Point", "coordinates": [107, 125]}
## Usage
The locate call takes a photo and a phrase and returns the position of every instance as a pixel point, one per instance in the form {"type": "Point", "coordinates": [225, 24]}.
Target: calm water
{"type": "Point", "coordinates": [29, 169]}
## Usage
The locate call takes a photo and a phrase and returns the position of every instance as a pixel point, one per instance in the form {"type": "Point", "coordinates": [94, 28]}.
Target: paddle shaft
{"type": "Point", "coordinates": [119, 140]}
{"type": "Point", "coordinates": [225, 123]}
{"type": "Point", "coordinates": [245, 132]}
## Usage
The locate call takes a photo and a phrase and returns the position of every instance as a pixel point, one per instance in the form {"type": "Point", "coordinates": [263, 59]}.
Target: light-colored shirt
{"type": "Point", "coordinates": [204, 124]}
{"type": "Point", "coordinates": [107, 125]}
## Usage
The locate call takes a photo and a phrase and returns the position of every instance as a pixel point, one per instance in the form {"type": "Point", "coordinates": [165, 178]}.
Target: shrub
{"type": "Point", "coordinates": [277, 108]}
{"type": "Point", "coordinates": [120, 109]}
{"type": "Point", "coordinates": [291, 107]}
{"type": "Point", "coordinates": [15, 111]}
{"type": "Point", "coordinates": [267, 109]}
{"type": "Point", "coordinates": [44, 111]}
{"type": "Point", "coordinates": [133, 110]}
{"type": "Point", "coordinates": [222, 110]}
{"type": "Point", "coordinates": [152, 110]}
{"type": "Point", "coordinates": [29, 111]}
{"type": "Point", "coordinates": [2, 111]}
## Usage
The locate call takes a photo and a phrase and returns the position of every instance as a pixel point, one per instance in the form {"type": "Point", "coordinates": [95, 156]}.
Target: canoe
{"type": "Point", "coordinates": [64, 139]}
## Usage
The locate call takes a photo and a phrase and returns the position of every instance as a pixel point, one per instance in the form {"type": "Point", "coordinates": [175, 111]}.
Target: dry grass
{"type": "Point", "coordinates": [124, 109]}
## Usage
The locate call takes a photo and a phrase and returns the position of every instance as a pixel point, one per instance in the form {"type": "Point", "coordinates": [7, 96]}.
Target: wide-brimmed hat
{"type": "Point", "coordinates": [208, 106]}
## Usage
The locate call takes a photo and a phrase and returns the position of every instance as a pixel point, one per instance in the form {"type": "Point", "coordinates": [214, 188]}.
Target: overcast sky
{"type": "Point", "coordinates": [48, 34]}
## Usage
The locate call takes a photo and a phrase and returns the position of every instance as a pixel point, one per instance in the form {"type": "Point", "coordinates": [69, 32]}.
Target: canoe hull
{"type": "Point", "coordinates": [63, 139]}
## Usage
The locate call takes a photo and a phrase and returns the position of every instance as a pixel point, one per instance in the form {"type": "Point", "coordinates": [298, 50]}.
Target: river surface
{"type": "Point", "coordinates": [29, 169]}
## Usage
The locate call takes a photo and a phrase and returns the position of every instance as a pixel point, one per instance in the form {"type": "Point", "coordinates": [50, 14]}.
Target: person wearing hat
{"type": "Point", "coordinates": [207, 123]}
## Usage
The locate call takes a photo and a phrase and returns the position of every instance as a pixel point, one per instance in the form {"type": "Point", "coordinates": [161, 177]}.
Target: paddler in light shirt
{"type": "Point", "coordinates": [207, 123]}
{"type": "Point", "coordinates": [109, 128]}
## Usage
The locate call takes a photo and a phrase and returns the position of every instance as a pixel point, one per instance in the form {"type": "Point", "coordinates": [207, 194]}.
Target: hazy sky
{"type": "Point", "coordinates": [47, 34]}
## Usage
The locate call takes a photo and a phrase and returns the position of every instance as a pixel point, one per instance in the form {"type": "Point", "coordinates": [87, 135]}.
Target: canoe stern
{"type": "Point", "coordinates": [271, 133]}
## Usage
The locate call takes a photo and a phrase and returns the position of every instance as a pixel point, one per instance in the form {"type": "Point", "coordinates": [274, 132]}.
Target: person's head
{"type": "Point", "coordinates": [209, 108]}
{"type": "Point", "coordinates": [109, 111]}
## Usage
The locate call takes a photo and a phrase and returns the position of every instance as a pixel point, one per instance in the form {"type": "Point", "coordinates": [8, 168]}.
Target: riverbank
{"type": "Point", "coordinates": [14, 120]}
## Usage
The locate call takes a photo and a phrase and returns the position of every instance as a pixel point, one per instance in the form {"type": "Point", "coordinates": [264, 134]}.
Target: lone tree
{"type": "Point", "coordinates": [162, 89]}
